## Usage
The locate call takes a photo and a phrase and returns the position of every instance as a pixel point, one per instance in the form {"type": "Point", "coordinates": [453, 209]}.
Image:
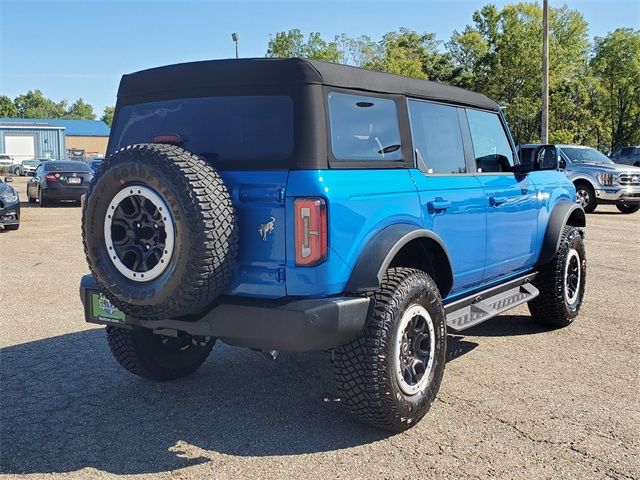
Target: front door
{"type": "Point", "coordinates": [453, 201]}
{"type": "Point", "coordinates": [511, 199]}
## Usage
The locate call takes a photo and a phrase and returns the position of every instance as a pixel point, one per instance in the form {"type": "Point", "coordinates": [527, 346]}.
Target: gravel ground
{"type": "Point", "coordinates": [517, 401]}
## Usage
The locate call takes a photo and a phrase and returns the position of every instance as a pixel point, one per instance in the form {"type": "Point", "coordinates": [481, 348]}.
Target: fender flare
{"type": "Point", "coordinates": [560, 215]}
{"type": "Point", "coordinates": [378, 254]}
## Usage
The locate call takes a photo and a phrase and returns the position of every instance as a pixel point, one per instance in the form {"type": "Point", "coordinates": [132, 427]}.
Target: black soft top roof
{"type": "Point", "coordinates": [271, 72]}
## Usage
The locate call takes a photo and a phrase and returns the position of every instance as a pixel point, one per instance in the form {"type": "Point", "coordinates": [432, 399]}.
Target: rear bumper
{"type": "Point", "coordinates": [63, 192]}
{"type": "Point", "coordinates": [289, 324]}
{"type": "Point", "coordinates": [625, 194]}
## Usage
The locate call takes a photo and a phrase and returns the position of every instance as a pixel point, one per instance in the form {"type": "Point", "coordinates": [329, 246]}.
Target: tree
{"type": "Point", "coordinates": [107, 115]}
{"type": "Point", "coordinates": [33, 104]}
{"type": "Point", "coordinates": [291, 44]}
{"type": "Point", "coordinates": [616, 66]}
{"type": "Point", "coordinates": [80, 110]}
{"type": "Point", "coordinates": [407, 52]}
{"type": "Point", "coordinates": [500, 55]}
{"type": "Point", "coordinates": [7, 108]}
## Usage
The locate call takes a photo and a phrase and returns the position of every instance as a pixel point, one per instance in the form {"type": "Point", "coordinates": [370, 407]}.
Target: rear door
{"type": "Point", "coordinates": [452, 199]}
{"type": "Point", "coordinates": [511, 199]}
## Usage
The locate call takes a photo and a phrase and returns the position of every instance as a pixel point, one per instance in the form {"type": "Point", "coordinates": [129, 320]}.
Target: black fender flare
{"type": "Point", "coordinates": [562, 212]}
{"type": "Point", "coordinates": [378, 254]}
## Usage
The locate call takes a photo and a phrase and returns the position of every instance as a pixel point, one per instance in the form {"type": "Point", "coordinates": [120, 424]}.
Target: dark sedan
{"type": "Point", "coordinates": [9, 207]}
{"type": "Point", "coordinates": [59, 180]}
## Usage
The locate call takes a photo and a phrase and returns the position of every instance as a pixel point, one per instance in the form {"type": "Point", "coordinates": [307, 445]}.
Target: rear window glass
{"type": "Point", "coordinates": [66, 167]}
{"type": "Point", "coordinates": [364, 128]}
{"type": "Point", "coordinates": [231, 129]}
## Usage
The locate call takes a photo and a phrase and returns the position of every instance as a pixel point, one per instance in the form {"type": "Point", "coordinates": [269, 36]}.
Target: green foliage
{"type": "Point", "coordinates": [80, 110]}
{"type": "Point", "coordinates": [34, 104]}
{"type": "Point", "coordinates": [616, 67]}
{"type": "Point", "coordinates": [292, 44]}
{"type": "Point", "coordinates": [7, 108]}
{"type": "Point", "coordinates": [107, 115]}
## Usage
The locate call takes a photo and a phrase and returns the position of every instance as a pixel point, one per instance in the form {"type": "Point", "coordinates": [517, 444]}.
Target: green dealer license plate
{"type": "Point", "coordinates": [101, 309]}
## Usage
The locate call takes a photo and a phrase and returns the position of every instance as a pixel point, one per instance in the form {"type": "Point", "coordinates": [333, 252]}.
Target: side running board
{"type": "Point", "coordinates": [482, 306]}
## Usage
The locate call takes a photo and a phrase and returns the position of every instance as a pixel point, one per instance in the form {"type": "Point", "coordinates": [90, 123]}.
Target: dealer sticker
{"type": "Point", "coordinates": [102, 309]}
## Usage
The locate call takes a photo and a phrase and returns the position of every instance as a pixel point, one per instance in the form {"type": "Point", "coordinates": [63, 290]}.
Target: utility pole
{"type": "Point", "coordinates": [234, 37]}
{"type": "Point", "coordinates": [545, 72]}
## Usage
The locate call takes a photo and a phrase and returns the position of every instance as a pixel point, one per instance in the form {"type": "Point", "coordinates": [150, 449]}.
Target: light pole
{"type": "Point", "coordinates": [545, 72]}
{"type": "Point", "coordinates": [234, 37]}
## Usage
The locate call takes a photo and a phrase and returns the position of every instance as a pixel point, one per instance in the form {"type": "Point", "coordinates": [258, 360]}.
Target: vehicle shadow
{"type": "Point", "coordinates": [51, 205]}
{"type": "Point", "coordinates": [506, 326]}
{"type": "Point", "coordinates": [67, 405]}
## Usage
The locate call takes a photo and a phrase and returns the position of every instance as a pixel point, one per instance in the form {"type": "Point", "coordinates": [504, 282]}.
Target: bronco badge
{"type": "Point", "coordinates": [266, 228]}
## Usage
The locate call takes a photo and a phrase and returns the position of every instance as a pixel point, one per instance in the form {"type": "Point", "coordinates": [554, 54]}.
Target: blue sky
{"type": "Point", "coordinates": [80, 48]}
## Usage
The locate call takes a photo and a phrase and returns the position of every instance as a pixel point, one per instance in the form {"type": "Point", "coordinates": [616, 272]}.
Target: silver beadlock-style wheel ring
{"type": "Point", "coordinates": [139, 233]}
{"type": "Point", "coordinates": [572, 277]}
{"type": "Point", "coordinates": [415, 350]}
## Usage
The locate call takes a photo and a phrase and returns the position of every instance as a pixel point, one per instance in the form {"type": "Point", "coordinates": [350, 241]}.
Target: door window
{"type": "Point", "coordinates": [437, 137]}
{"type": "Point", "coordinates": [491, 146]}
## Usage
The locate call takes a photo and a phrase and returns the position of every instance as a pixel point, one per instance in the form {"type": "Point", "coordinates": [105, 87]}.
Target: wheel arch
{"type": "Point", "coordinates": [402, 245]}
{"type": "Point", "coordinates": [564, 213]}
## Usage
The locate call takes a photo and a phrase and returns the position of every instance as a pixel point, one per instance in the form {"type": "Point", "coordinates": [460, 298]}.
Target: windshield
{"type": "Point", "coordinates": [585, 155]}
{"type": "Point", "coordinates": [66, 166]}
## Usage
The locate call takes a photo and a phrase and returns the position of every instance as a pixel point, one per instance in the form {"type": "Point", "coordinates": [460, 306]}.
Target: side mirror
{"type": "Point", "coordinates": [561, 163]}
{"type": "Point", "coordinates": [8, 179]}
{"type": "Point", "coordinates": [545, 157]}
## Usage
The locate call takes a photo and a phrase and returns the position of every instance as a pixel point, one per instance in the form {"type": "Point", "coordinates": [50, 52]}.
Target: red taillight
{"type": "Point", "coordinates": [311, 231]}
{"type": "Point", "coordinates": [168, 138]}
{"type": "Point", "coordinates": [52, 178]}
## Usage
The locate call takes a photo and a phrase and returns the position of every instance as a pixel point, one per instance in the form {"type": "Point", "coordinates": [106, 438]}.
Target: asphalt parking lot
{"type": "Point", "coordinates": [517, 400]}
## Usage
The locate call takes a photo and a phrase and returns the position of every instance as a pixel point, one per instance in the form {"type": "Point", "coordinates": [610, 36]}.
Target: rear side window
{"type": "Point", "coordinates": [627, 151]}
{"type": "Point", "coordinates": [364, 128]}
{"type": "Point", "coordinates": [491, 146]}
{"type": "Point", "coordinates": [227, 130]}
{"type": "Point", "coordinates": [437, 137]}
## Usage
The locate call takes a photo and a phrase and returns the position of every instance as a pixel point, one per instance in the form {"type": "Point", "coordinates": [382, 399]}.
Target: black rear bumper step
{"type": "Point", "coordinates": [481, 306]}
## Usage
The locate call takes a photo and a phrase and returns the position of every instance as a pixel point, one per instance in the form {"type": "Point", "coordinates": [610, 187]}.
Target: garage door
{"type": "Point", "coordinates": [20, 147]}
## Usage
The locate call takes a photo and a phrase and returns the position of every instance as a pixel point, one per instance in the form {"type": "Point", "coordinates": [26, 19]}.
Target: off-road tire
{"type": "Point", "coordinates": [592, 202]}
{"type": "Point", "coordinates": [143, 353]}
{"type": "Point", "coordinates": [367, 382]}
{"type": "Point", "coordinates": [627, 209]}
{"type": "Point", "coordinates": [206, 235]}
{"type": "Point", "coordinates": [550, 307]}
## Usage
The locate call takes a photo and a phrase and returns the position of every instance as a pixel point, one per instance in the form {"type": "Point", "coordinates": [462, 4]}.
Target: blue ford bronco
{"type": "Point", "coordinates": [296, 205]}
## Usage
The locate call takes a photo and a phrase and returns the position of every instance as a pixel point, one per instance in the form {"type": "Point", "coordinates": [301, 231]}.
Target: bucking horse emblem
{"type": "Point", "coordinates": [267, 228]}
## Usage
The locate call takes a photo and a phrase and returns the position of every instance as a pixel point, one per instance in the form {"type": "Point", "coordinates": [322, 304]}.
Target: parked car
{"type": "Point", "coordinates": [597, 179]}
{"type": "Point", "coordinates": [56, 180]}
{"type": "Point", "coordinates": [9, 206]}
{"type": "Point", "coordinates": [28, 167]}
{"type": "Point", "coordinates": [6, 161]}
{"type": "Point", "coordinates": [627, 156]}
{"type": "Point", "coordinates": [95, 164]}
{"type": "Point", "coordinates": [230, 209]}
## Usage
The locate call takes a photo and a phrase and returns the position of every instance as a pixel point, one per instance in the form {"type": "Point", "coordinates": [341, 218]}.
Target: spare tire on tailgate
{"type": "Point", "coordinates": [159, 231]}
